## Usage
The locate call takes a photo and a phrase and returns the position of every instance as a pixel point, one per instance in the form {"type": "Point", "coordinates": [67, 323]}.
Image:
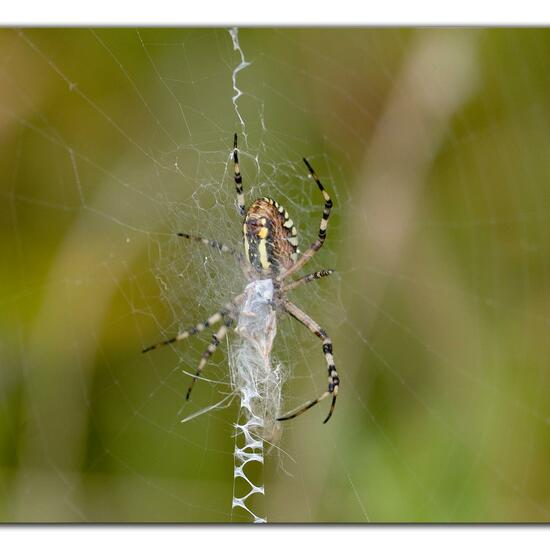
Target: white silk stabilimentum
{"type": "Point", "coordinates": [258, 384]}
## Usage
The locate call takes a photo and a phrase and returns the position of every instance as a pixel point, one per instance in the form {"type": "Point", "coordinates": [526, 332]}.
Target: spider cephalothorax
{"type": "Point", "coordinates": [270, 252]}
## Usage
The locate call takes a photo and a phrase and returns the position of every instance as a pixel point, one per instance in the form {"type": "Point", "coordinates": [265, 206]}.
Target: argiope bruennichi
{"type": "Point", "coordinates": [270, 252]}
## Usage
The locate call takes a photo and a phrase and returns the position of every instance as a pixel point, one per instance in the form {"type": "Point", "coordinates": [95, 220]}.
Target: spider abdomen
{"type": "Point", "coordinates": [270, 237]}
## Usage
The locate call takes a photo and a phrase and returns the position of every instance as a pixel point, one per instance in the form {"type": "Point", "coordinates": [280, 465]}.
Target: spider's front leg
{"type": "Point", "coordinates": [216, 340]}
{"type": "Point", "coordinates": [226, 313]}
{"type": "Point", "coordinates": [191, 331]}
{"type": "Point", "coordinates": [333, 379]}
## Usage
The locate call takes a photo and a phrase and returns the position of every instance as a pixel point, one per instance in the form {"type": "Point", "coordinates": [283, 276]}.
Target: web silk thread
{"type": "Point", "coordinates": [258, 386]}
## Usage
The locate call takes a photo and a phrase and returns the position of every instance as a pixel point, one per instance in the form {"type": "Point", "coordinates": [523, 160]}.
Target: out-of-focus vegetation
{"type": "Point", "coordinates": [435, 146]}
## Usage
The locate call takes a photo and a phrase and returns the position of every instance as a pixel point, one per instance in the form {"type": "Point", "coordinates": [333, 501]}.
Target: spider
{"type": "Point", "coordinates": [270, 252]}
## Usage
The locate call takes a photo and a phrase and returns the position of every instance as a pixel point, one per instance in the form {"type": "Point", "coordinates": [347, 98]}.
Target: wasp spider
{"type": "Point", "coordinates": [270, 252]}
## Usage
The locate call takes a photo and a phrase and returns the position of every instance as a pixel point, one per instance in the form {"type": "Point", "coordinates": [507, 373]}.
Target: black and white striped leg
{"type": "Point", "coordinates": [212, 320]}
{"type": "Point", "coordinates": [307, 279]}
{"type": "Point", "coordinates": [238, 179]}
{"type": "Point", "coordinates": [215, 318]}
{"type": "Point", "coordinates": [214, 244]}
{"type": "Point", "coordinates": [322, 235]}
{"type": "Point", "coordinates": [333, 379]}
{"type": "Point", "coordinates": [216, 340]}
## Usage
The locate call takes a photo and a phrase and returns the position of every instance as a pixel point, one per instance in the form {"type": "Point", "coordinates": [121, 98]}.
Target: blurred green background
{"type": "Point", "coordinates": [434, 144]}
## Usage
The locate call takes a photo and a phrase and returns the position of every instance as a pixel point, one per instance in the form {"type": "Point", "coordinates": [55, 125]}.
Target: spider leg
{"type": "Point", "coordinates": [333, 380]}
{"type": "Point", "coordinates": [214, 244]}
{"type": "Point", "coordinates": [238, 179]}
{"type": "Point", "coordinates": [212, 320]}
{"type": "Point", "coordinates": [308, 254]}
{"type": "Point", "coordinates": [307, 279]}
{"type": "Point", "coordinates": [216, 340]}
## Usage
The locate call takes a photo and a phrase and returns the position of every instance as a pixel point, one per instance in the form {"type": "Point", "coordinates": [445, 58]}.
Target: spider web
{"type": "Point", "coordinates": [433, 146]}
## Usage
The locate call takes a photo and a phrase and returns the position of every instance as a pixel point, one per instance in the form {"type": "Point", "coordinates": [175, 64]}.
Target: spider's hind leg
{"type": "Point", "coordinates": [238, 179]}
{"type": "Point", "coordinates": [333, 379]}
{"type": "Point", "coordinates": [209, 242]}
{"type": "Point", "coordinates": [322, 235]}
{"type": "Point", "coordinates": [307, 279]}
